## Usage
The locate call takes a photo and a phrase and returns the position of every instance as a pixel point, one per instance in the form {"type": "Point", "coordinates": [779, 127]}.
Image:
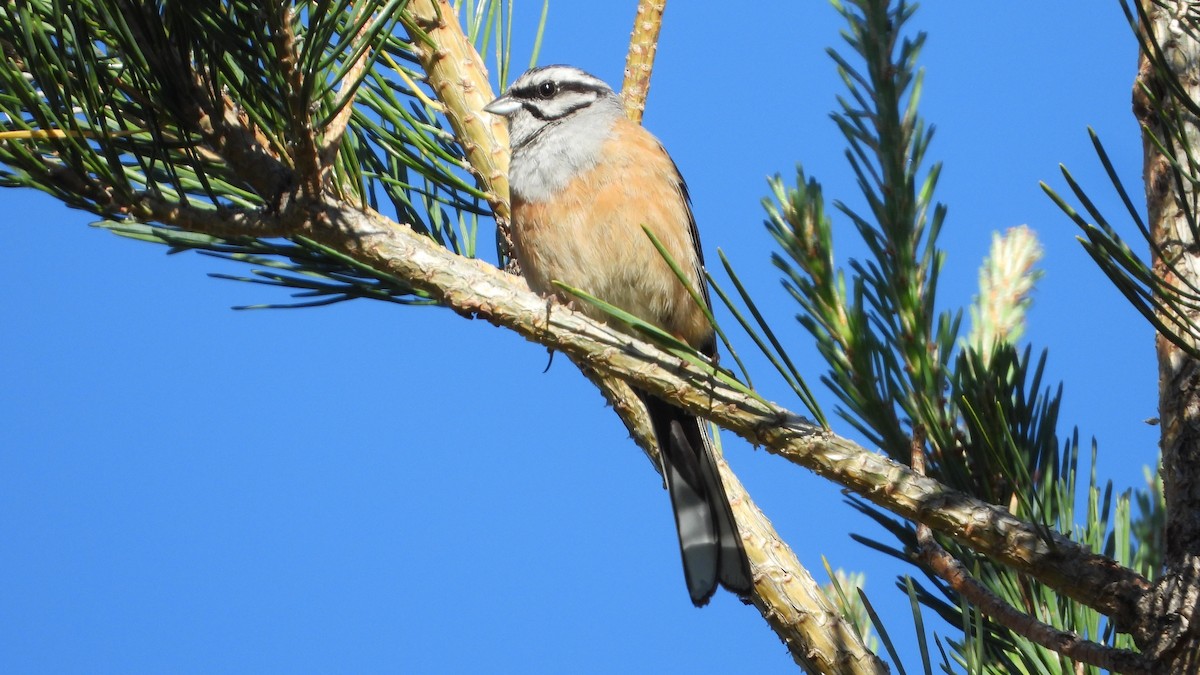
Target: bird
{"type": "Point", "coordinates": [583, 181]}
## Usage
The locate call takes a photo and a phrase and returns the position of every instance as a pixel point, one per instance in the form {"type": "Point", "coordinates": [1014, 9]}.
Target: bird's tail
{"type": "Point", "coordinates": [708, 537]}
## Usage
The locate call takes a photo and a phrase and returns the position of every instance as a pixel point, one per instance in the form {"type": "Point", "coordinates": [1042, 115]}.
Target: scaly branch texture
{"type": "Point", "coordinates": [1167, 103]}
{"type": "Point", "coordinates": [477, 290]}
{"type": "Point", "coordinates": [639, 61]}
{"type": "Point", "coordinates": [459, 78]}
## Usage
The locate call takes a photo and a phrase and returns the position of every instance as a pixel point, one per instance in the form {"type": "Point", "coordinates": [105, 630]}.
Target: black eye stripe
{"type": "Point", "coordinates": [530, 91]}
{"type": "Point", "coordinates": [540, 114]}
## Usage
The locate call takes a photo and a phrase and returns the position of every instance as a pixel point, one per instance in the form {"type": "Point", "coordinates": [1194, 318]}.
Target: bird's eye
{"type": "Point", "coordinates": [547, 89]}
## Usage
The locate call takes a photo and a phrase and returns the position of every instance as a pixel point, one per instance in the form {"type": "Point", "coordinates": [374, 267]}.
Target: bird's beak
{"type": "Point", "coordinates": [504, 105]}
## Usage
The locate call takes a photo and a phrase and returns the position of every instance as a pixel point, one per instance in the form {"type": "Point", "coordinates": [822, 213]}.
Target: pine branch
{"type": "Point", "coordinates": [639, 60]}
{"type": "Point", "coordinates": [302, 141]}
{"type": "Point", "coordinates": [1167, 104]}
{"type": "Point", "coordinates": [344, 105]}
{"type": "Point", "coordinates": [458, 77]}
{"type": "Point", "coordinates": [1006, 280]}
{"type": "Point", "coordinates": [477, 290]}
{"type": "Point", "coordinates": [893, 364]}
{"type": "Point", "coordinates": [960, 580]}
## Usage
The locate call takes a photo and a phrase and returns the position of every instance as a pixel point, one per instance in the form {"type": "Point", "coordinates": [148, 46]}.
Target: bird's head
{"type": "Point", "coordinates": [551, 96]}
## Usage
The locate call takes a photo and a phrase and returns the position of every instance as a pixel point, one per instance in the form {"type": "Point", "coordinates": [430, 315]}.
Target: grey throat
{"type": "Point", "coordinates": [549, 153]}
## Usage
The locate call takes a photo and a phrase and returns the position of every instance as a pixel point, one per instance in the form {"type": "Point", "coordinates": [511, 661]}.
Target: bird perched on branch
{"type": "Point", "coordinates": [584, 181]}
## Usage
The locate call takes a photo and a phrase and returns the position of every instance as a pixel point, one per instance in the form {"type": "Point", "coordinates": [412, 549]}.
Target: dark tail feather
{"type": "Point", "coordinates": [708, 538]}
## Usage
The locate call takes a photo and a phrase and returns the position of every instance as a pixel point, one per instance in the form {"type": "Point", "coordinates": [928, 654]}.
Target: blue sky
{"type": "Point", "coordinates": [186, 488]}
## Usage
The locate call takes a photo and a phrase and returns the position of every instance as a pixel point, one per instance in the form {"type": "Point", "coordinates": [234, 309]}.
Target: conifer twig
{"type": "Point", "coordinates": [639, 61]}
{"type": "Point", "coordinates": [953, 572]}
{"type": "Point", "coordinates": [344, 103]}
{"type": "Point", "coordinates": [302, 137]}
{"type": "Point", "coordinates": [456, 73]}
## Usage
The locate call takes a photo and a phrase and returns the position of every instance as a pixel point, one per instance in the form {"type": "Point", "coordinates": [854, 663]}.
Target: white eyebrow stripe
{"type": "Point", "coordinates": [560, 74]}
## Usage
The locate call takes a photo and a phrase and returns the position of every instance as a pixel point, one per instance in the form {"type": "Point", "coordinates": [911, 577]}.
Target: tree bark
{"type": "Point", "coordinates": [478, 290]}
{"type": "Point", "coordinates": [1167, 631]}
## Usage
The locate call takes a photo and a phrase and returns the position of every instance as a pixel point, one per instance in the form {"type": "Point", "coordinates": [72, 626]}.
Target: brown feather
{"type": "Point", "coordinates": [591, 237]}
